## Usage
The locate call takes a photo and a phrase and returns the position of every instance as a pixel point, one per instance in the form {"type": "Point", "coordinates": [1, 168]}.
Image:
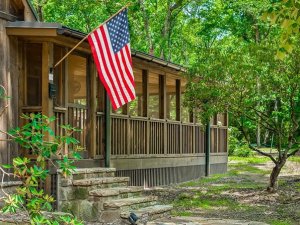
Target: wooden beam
{"type": "Point", "coordinates": [178, 99]}
{"type": "Point", "coordinates": [92, 107]}
{"type": "Point", "coordinates": [155, 68]}
{"type": "Point", "coordinates": [162, 97]}
{"type": "Point", "coordinates": [101, 95]}
{"type": "Point", "coordinates": [163, 108]}
{"type": "Point", "coordinates": [59, 40]}
{"type": "Point", "coordinates": [47, 103]}
{"type": "Point", "coordinates": [47, 63]}
{"type": "Point", "coordinates": [7, 16]}
{"type": "Point", "coordinates": [40, 32]}
{"type": "Point", "coordinates": [145, 107]}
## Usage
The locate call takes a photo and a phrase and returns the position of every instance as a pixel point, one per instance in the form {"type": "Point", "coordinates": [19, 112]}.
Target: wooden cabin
{"type": "Point", "coordinates": [154, 140]}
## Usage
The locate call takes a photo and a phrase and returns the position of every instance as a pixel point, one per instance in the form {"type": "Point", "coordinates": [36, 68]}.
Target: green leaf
{"type": "Point", "coordinates": [280, 55]}
{"type": "Point", "coordinates": [7, 166]}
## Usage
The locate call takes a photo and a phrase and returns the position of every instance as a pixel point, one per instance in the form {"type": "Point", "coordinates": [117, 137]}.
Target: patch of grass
{"type": "Point", "coordinates": [203, 202]}
{"type": "Point", "coordinates": [203, 180]}
{"type": "Point", "coordinates": [222, 194]}
{"type": "Point", "coordinates": [297, 186]}
{"type": "Point", "coordinates": [233, 179]}
{"type": "Point", "coordinates": [295, 159]}
{"type": "Point", "coordinates": [280, 222]}
{"type": "Point", "coordinates": [181, 213]}
{"type": "Point", "coordinates": [240, 168]}
{"type": "Point", "coordinates": [251, 160]}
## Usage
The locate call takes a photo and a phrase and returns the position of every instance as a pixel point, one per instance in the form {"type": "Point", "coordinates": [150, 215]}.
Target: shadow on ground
{"type": "Point", "coordinates": [239, 194]}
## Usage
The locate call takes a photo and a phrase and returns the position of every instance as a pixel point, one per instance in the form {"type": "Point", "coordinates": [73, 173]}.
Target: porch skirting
{"type": "Point", "coordinates": [168, 175]}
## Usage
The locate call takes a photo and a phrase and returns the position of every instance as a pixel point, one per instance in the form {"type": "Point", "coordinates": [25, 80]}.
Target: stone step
{"type": "Point", "coordinates": [105, 192]}
{"type": "Point", "coordinates": [99, 181]}
{"type": "Point", "coordinates": [149, 213]}
{"type": "Point", "coordinates": [119, 203]}
{"type": "Point", "coordinates": [84, 173]}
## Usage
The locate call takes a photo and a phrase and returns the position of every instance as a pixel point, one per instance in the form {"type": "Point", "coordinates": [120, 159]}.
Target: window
{"type": "Point", "coordinates": [77, 83]}
{"type": "Point", "coordinates": [171, 98]}
{"type": "Point", "coordinates": [136, 106]}
{"type": "Point", "coordinates": [185, 111]}
{"type": "Point", "coordinates": [153, 95]}
{"type": "Point", "coordinates": [33, 63]}
{"type": "Point", "coordinates": [59, 77]}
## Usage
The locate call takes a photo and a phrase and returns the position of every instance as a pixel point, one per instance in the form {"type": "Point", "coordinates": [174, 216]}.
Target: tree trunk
{"type": "Point", "coordinates": [258, 134]}
{"type": "Point", "coordinates": [147, 27]}
{"type": "Point", "coordinates": [266, 136]}
{"type": "Point", "coordinates": [273, 185]}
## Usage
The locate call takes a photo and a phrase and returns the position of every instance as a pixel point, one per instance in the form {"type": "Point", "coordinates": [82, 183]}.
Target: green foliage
{"type": "Point", "coordinates": [39, 141]}
{"type": "Point", "coordinates": [238, 73]}
{"type": "Point", "coordinates": [237, 144]}
{"type": "Point", "coordinates": [295, 159]}
{"type": "Point", "coordinates": [280, 222]}
{"type": "Point", "coordinates": [250, 160]}
{"type": "Point", "coordinates": [155, 26]}
{"type": "Point", "coordinates": [286, 14]}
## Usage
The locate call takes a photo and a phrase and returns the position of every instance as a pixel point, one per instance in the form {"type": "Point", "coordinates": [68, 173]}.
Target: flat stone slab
{"type": "Point", "coordinates": [91, 170]}
{"type": "Point", "coordinates": [104, 192]}
{"type": "Point", "coordinates": [150, 210]}
{"type": "Point", "coordinates": [100, 180]}
{"type": "Point", "coordinates": [128, 201]}
{"type": "Point", "coordinates": [201, 221]}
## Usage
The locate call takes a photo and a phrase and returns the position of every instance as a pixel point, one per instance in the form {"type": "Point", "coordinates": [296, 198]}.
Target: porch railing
{"type": "Point", "coordinates": [139, 135]}
{"type": "Point", "coordinates": [77, 117]}
{"type": "Point", "coordinates": [173, 137]}
{"type": "Point", "coordinates": [60, 115]}
{"type": "Point", "coordinates": [156, 139]}
{"type": "Point", "coordinates": [100, 135]}
{"type": "Point", "coordinates": [147, 136]}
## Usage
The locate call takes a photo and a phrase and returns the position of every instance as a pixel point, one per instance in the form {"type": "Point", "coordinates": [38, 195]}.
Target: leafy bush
{"type": "Point", "coordinates": [39, 141]}
{"type": "Point", "coordinates": [237, 145]}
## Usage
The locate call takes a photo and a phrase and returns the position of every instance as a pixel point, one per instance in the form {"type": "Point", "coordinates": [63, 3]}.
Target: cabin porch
{"type": "Point", "coordinates": [154, 140]}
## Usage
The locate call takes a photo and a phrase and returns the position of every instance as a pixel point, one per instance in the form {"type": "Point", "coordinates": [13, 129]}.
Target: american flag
{"type": "Point", "coordinates": [111, 51]}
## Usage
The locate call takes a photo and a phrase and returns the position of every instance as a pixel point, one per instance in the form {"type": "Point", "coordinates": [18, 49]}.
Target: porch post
{"type": "Point", "coordinates": [145, 106]}
{"type": "Point", "coordinates": [178, 111]}
{"type": "Point", "coordinates": [92, 107]}
{"type": "Point", "coordinates": [163, 108]}
{"type": "Point", "coordinates": [47, 63]}
{"type": "Point", "coordinates": [47, 102]}
{"type": "Point", "coordinates": [207, 149]}
{"type": "Point", "coordinates": [107, 130]}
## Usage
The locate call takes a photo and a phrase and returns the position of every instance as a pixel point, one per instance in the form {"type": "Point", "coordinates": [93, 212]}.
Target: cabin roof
{"type": "Point", "coordinates": [69, 32]}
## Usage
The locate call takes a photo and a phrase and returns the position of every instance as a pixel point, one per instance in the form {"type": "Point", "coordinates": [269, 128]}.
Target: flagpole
{"type": "Point", "coordinates": [82, 40]}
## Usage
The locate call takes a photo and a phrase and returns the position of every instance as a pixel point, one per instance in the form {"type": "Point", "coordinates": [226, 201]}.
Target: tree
{"type": "Point", "coordinates": [156, 27]}
{"type": "Point", "coordinates": [236, 71]}
{"type": "Point", "coordinates": [230, 83]}
{"type": "Point", "coordinates": [286, 14]}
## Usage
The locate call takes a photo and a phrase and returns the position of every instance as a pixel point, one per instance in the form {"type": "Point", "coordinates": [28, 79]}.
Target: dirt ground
{"type": "Point", "coordinates": [240, 194]}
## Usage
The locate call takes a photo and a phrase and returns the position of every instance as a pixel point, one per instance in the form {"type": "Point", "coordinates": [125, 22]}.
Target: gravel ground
{"type": "Point", "coordinates": [239, 195]}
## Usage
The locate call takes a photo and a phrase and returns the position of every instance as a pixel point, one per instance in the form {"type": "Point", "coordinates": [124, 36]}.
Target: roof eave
{"type": "Point", "coordinates": [17, 28]}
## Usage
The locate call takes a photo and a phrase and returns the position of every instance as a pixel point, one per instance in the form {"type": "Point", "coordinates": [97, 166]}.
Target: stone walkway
{"type": "Point", "coordinates": [201, 221]}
